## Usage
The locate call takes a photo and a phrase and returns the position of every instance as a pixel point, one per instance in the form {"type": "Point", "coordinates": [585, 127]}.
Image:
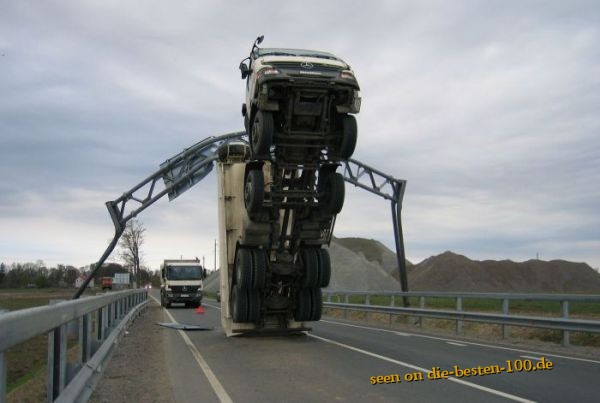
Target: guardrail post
{"type": "Point", "coordinates": [2, 377]}
{"type": "Point", "coordinates": [345, 302]}
{"type": "Point", "coordinates": [392, 300]}
{"type": "Point", "coordinates": [459, 323]}
{"type": "Point", "coordinates": [99, 324]}
{"type": "Point", "coordinates": [422, 306]}
{"type": "Point", "coordinates": [368, 300]}
{"type": "Point", "coordinates": [85, 337]}
{"type": "Point", "coordinates": [105, 321]}
{"type": "Point", "coordinates": [565, 314]}
{"type": "Point", "coordinates": [505, 328]}
{"type": "Point", "coordinates": [57, 361]}
{"type": "Point", "coordinates": [328, 297]}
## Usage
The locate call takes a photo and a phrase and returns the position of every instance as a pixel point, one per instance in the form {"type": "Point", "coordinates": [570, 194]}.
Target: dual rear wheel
{"type": "Point", "coordinates": [250, 278]}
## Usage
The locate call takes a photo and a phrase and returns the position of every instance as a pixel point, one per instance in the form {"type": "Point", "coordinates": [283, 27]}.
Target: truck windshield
{"type": "Point", "coordinates": [184, 273]}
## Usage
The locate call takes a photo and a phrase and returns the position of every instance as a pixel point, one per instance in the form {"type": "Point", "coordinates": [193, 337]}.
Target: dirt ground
{"type": "Point", "coordinates": [141, 353]}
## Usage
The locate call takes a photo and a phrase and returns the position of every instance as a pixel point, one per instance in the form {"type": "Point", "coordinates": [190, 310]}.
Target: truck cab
{"type": "Point", "coordinates": [181, 282]}
{"type": "Point", "coordinates": [299, 103]}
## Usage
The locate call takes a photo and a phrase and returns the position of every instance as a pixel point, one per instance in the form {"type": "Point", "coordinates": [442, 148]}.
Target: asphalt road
{"type": "Point", "coordinates": [337, 360]}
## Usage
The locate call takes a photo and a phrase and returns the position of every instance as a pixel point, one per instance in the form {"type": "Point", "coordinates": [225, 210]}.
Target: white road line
{"type": "Point", "coordinates": [456, 344]}
{"type": "Point", "coordinates": [411, 366]}
{"type": "Point", "coordinates": [214, 382]}
{"type": "Point", "coordinates": [467, 342]}
{"type": "Point", "coordinates": [532, 357]}
{"type": "Point", "coordinates": [212, 306]}
{"type": "Point", "coordinates": [366, 327]}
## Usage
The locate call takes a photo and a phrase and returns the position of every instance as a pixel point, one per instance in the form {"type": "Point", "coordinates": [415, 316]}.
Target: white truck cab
{"type": "Point", "coordinates": [181, 282]}
{"type": "Point", "coordinates": [297, 98]}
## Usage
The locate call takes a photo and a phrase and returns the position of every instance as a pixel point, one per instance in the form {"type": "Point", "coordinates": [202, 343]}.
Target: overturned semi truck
{"type": "Point", "coordinates": [279, 193]}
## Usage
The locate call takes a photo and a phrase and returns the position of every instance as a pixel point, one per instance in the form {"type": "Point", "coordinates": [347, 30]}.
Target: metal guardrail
{"type": "Point", "coordinates": [504, 319]}
{"type": "Point", "coordinates": [99, 322]}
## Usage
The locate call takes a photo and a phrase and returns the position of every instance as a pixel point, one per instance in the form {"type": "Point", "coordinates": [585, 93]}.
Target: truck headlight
{"type": "Point", "coordinates": [347, 75]}
{"type": "Point", "coordinates": [267, 71]}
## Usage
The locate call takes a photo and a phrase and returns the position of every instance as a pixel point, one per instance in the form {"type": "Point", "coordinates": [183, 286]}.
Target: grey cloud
{"type": "Point", "coordinates": [485, 108]}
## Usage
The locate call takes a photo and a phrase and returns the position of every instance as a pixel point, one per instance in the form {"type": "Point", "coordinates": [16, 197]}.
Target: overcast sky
{"type": "Point", "coordinates": [490, 110]}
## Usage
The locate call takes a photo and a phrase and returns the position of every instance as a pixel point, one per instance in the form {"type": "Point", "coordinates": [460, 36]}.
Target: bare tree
{"type": "Point", "coordinates": [130, 244]}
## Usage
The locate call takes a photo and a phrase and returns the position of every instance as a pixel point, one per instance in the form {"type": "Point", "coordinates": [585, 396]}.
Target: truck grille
{"type": "Point", "coordinates": [185, 289]}
{"type": "Point", "coordinates": [316, 67]}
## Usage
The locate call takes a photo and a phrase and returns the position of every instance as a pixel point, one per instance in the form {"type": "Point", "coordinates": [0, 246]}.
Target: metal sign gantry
{"type": "Point", "coordinates": [193, 164]}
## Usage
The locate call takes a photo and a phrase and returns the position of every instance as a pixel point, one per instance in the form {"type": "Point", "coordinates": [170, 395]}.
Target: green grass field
{"type": "Point", "coordinates": [485, 305]}
{"type": "Point", "coordinates": [587, 310]}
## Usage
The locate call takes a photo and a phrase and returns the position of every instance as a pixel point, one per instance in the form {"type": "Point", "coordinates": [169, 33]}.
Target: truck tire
{"type": "Point", "coordinates": [332, 193]}
{"type": "Point", "coordinates": [309, 305]}
{"type": "Point", "coordinates": [259, 268]}
{"type": "Point", "coordinates": [324, 267]}
{"type": "Point", "coordinates": [263, 129]}
{"type": "Point", "coordinates": [239, 299]}
{"type": "Point", "coordinates": [316, 304]}
{"type": "Point", "coordinates": [254, 192]}
{"type": "Point", "coordinates": [243, 268]}
{"type": "Point", "coordinates": [310, 268]}
{"type": "Point", "coordinates": [349, 136]}
{"type": "Point", "coordinates": [303, 305]}
{"type": "Point", "coordinates": [254, 305]}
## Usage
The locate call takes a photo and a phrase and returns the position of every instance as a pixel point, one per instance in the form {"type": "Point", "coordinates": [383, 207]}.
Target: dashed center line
{"type": "Point", "coordinates": [456, 344]}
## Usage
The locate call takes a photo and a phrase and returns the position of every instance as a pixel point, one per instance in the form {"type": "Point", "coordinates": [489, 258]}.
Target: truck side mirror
{"type": "Point", "coordinates": [244, 69]}
{"type": "Point", "coordinates": [204, 273]}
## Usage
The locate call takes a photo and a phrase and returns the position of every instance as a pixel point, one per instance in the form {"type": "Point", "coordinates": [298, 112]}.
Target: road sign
{"type": "Point", "coordinates": [121, 278]}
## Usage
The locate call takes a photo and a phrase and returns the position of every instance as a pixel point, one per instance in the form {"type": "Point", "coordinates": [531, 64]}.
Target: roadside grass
{"type": "Point", "coordinates": [587, 310]}
{"type": "Point", "coordinates": [550, 308]}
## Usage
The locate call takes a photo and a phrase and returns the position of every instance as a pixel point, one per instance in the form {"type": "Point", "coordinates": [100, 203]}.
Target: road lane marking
{"type": "Point", "coordinates": [212, 306]}
{"type": "Point", "coordinates": [411, 366]}
{"type": "Point", "coordinates": [466, 342]}
{"type": "Point", "coordinates": [366, 327]}
{"type": "Point", "coordinates": [212, 379]}
{"type": "Point", "coordinates": [533, 358]}
{"type": "Point", "coordinates": [456, 344]}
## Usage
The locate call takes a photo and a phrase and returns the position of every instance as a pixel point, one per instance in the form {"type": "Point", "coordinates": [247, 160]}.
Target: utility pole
{"type": "Point", "coordinates": [215, 254]}
{"type": "Point", "coordinates": [203, 262]}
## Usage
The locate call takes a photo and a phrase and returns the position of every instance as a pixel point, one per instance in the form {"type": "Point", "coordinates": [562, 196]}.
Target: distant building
{"type": "Point", "coordinates": [79, 281]}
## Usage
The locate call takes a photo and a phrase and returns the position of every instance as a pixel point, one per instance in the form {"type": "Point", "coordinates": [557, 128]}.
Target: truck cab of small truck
{"type": "Point", "coordinates": [297, 100]}
{"type": "Point", "coordinates": [181, 282]}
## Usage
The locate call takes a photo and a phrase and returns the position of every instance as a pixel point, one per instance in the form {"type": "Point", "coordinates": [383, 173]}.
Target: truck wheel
{"type": "Point", "coordinates": [263, 129]}
{"type": "Point", "coordinates": [316, 304]}
{"type": "Point", "coordinates": [254, 192]}
{"type": "Point", "coordinates": [310, 267]}
{"type": "Point", "coordinates": [324, 267]}
{"type": "Point", "coordinates": [349, 135]}
{"type": "Point", "coordinates": [309, 304]}
{"type": "Point", "coordinates": [259, 268]}
{"type": "Point", "coordinates": [303, 305]}
{"type": "Point", "coordinates": [332, 193]}
{"type": "Point", "coordinates": [240, 304]}
{"type": "Point", "coordinates": [254, 305]}
{"type": "Point", "coordinates": [243, 268]}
